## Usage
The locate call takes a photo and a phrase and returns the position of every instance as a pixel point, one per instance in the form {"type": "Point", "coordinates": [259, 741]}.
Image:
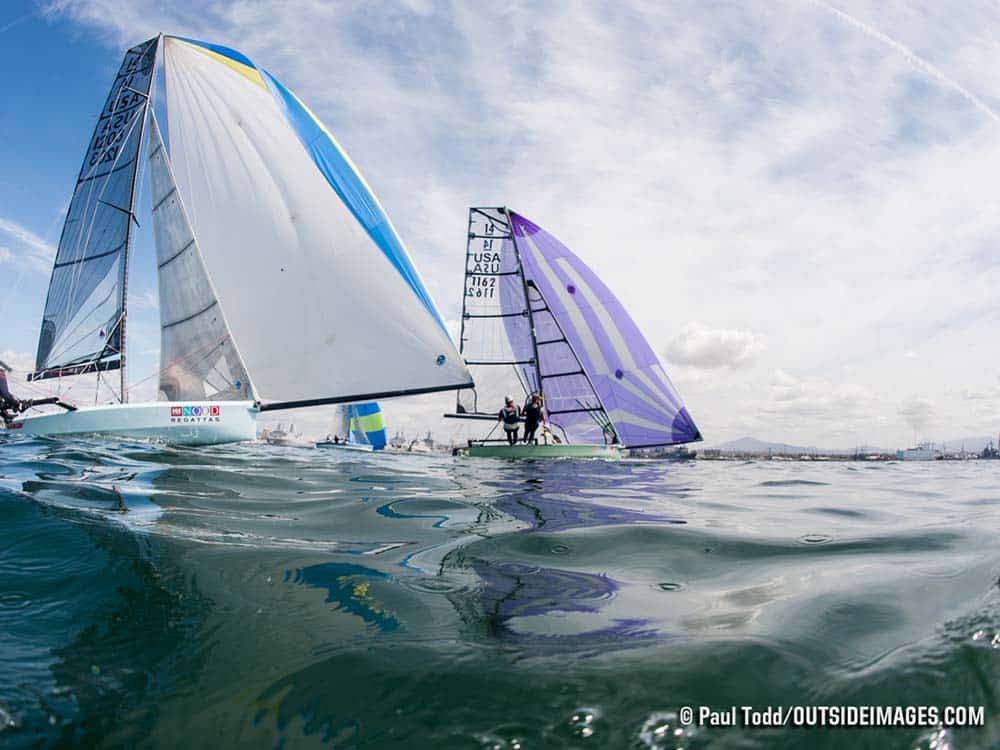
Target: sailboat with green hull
{"type": "Point", "coordinates": [270, 247]}
{"type": "Point", "coordinates": [536, 319]}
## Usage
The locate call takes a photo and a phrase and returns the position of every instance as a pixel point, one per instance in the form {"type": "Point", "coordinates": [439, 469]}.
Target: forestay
{"type": "Point", "coordinates": [84, 319]}
{"type": "Point", "coordinates": [318, 291]}
{"type": "Point", "coordinates": [198, 359]}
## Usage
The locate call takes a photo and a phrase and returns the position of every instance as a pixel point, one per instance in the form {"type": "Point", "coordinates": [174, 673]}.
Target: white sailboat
{"type": "Point", "coordinates": [922, 452]}
{"type": "Point", "coordinates": [265, 233]}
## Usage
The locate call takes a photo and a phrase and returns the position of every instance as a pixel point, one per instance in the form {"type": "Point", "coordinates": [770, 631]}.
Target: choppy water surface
{"type": "Point", "coordinates": [263, 597]}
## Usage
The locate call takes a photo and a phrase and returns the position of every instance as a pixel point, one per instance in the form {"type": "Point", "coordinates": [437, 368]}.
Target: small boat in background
{"type": "Point", "coordinates": [356, 427]}
{"type": "Point", "coordinates": [678, 453]}
{"type": "Point", "coordinates": [923, 452]}
{"type": "Point", "coordinates": [402, 444]}
{"type": "Point", "coordinates": [289, 439]}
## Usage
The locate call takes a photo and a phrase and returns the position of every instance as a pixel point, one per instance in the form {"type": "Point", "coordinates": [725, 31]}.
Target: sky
{"type": "Point", "coordinates": [794, 199]}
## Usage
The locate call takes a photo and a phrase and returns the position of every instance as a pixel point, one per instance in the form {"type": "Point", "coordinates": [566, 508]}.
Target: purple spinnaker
{"type": "Point", "coordinates": [631, 384]}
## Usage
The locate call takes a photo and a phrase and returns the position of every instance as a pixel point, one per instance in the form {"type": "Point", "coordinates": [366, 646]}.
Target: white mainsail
{"type": "Point", "coordinates": [83, 326]}
{"type": "Point", "coordinates": [319, 293]}
{"type": "Point", "coordinates": [340, 425]}
{"type": "Point", "coordinates": [198, 359]}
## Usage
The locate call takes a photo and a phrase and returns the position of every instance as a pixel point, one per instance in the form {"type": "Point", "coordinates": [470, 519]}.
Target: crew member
{"type": "Point", "coordinates": [532, 417]}
{"type": "Point", "coordinates": [510, 415]}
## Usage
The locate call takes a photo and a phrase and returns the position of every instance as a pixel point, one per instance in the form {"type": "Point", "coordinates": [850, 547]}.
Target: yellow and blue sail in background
{"type": "Point", "coordinates": [367, 425]}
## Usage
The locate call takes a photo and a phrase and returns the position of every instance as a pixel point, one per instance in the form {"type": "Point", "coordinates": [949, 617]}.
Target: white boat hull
{"type": "Point", "coordinates": [361, 447]}
{"type": "Point", "coordinates": [291, 442]}
{"type": "Point", "coordinates": [180, 423]}
{"type": "Point", "coordinates": [917, 454]}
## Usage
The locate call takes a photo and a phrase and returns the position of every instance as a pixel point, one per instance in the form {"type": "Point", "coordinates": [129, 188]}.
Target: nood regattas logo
{"type": "Point", "coordinates": [195, 413]}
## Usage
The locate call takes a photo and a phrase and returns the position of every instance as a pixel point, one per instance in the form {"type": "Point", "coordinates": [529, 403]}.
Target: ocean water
{"type": "Point", "coordinates": [252, 596]}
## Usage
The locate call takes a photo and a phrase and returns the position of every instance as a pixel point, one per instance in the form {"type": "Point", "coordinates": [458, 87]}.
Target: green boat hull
{"type": "Point", "coordinates": [561, 450]}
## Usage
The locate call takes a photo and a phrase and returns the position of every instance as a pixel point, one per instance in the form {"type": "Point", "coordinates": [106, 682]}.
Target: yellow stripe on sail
{"type": "Point", "coordinates": [372, 422]}
{"type": "Point", "coordinates": [246, 71]}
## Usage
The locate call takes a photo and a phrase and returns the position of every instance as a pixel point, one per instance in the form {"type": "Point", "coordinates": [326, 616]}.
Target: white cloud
{"type": "Point", "coordinates": [805, 405]}
{"type": "Point", "coordinates": [5, 254]}
{"type": "Point", "coordinates": [912, 57]}
{"type": "Point", "coordinates": [145, 299]}
{"type": "Point", "coordinates": [917, 413]}
{"type": "Point", "coordinates": [980, 393]}
{"type": "Point", "coordinates": [983, 391]}
{"type": "Point", "coordinates": [34, 249]}
{"type": "Point", "coordinates": [711, 348]}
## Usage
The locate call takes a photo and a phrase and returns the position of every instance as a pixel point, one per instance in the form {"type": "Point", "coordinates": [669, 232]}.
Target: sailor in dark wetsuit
{"type": "Point", "coordinates": [532, 417]}
{"type": "Point", "coordinates": [10, 407]}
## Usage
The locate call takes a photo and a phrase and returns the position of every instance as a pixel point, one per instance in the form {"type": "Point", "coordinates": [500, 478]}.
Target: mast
{"type": "Point", "coordinates": [147, 96]}
{"type": "Point", "coordinates": [461, 334]}
{"type": "Point", "coordinates": [527, 303]}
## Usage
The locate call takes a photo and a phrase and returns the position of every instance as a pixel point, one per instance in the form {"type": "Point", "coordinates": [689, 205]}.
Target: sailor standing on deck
{"type": "Point", "coordinates": [510, 415]}
{"type": "Point", "coordinates": [532, 417]}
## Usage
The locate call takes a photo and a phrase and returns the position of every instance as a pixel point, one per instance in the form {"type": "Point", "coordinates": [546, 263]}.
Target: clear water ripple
{"type": "Point", "coordinates": [264, 596]}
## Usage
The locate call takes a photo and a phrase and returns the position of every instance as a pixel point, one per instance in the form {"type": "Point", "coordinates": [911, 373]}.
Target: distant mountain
{"type": "Point", "coordinates": [754, 445]}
